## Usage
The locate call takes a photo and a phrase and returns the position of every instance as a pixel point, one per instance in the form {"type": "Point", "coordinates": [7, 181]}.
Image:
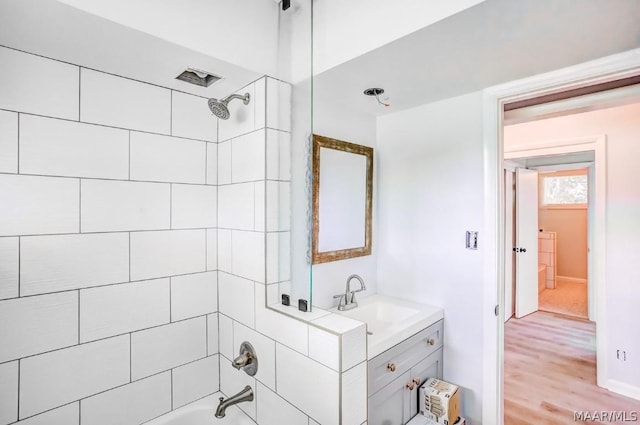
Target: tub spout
{"type": "Point", "coordinates": [245, 395]}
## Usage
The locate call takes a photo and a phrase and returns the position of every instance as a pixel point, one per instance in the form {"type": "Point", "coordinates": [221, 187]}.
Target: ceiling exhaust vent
{"type": "Point", "coordinates": [198, 77]}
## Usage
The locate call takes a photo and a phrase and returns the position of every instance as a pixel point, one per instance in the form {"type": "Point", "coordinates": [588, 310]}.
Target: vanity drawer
{"type": "Point", "coordinates": [392, 363]}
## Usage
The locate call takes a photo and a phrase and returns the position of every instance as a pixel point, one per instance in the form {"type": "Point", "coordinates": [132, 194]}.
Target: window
{"type": "Point", "coordinates": [566, 188]}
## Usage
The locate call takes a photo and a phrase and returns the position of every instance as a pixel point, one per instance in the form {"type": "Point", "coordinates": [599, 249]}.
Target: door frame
{"type": "Point", "coordinates": [618, 66]}
{"type": "Point", "coordinates": [596, 257]}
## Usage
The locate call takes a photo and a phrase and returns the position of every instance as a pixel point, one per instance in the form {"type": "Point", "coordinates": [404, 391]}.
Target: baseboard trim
{"type": "Point", "coordinates": [572, 279]}
{"type": "Point", "coordinates": [624, 389]}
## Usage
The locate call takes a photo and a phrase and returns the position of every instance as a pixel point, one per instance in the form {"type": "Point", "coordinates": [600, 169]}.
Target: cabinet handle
{"type": "Point", "coordinates": [431, 341]}
{"type": "Point", "coordinates": [391, 367]}
{"type": "Point", "coordinates": [411, 385]}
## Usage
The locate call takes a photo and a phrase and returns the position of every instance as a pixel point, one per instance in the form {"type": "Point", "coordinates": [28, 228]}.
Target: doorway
{"type": "Point", "coordinates": [616, 67]}
{"type": "Point", "coordinates": [547, 209]}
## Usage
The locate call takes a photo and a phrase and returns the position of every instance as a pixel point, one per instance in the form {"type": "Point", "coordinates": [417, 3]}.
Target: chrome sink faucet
{"type": "Point", "coordinates": [348, 299]}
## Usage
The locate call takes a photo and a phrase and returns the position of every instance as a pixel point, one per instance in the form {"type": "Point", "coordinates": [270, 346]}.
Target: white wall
{"type": "Point", "coordinates": [430, 191]}
{"type": "Point", "coordinates": [354, 127]}
{"type": "Point", "coordinates": [621, 126]}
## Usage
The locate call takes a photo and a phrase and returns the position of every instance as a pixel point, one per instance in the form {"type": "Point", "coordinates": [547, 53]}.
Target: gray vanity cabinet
{"type": "Point", "coordinates": [395, 376]}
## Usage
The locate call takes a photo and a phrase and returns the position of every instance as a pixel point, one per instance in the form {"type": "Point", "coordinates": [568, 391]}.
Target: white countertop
{"type": "Point", "coordinates": [391, 320]}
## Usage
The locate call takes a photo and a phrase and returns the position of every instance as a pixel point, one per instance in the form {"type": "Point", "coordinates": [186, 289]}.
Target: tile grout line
{"type": "Point", "coordinates": [129, 256]}
{"type": "Point", "coordinates": [78, 316]}
{"type": "Point", "coordinates": [79, 94]}
{"type": "Point", "coordinates": [171, 206]}
{"type": "Point", "coordinates": [18, 145]}
{"type": "Point", "coordinates": [19, 264]}
{"type": "Point", "coordinates": [18, 406]}
{"type": "Point", "coordinates": [79, 205]}
{"type": "Point", "coordinates": [129, 158]}
{"type": "Point", "coordinates": [130, 357]}
{"type": "Point", "coordinates": [97, 124]}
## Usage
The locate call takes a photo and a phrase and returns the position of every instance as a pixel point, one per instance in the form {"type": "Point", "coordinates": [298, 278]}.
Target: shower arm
{"type": "Point", "coordinates": [244, 98]}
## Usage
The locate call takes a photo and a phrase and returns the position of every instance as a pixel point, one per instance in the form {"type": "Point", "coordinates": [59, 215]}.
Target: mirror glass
{"type": "Point", "coordinates": [342, 196]}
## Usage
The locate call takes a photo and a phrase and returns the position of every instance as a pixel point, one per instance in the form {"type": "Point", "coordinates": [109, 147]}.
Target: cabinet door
{"type": "Point", "coordinates": [390, 405]}
{"type": "Point", "coordinates": [430, 367]}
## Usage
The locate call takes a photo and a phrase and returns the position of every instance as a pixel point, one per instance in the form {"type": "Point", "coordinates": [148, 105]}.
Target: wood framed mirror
{"type": "Point", "coordinates": [342, 199]}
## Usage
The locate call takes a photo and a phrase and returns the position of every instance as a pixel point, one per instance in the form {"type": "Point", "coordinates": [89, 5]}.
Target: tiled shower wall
{"type": "Point", "coordinates": [112, 231]}
{"type": "Point", "coordinates": [547, 256]}
{"type": "Point", "coordinates": [108, 212]}
{"type": "Point", "coordinates": [311, 370]}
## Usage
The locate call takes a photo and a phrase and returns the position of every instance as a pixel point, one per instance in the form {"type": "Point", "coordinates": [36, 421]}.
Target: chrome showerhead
{"type": "Point", "coordinates": [220, 108]}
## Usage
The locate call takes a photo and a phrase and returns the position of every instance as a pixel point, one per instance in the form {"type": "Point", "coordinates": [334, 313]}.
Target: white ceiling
{"type": "Point", "coordinates": [491, 43]}
{"type": "Point", "coordinates": [57, 30]}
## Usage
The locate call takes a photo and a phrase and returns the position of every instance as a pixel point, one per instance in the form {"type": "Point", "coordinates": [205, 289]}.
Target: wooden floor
{"type": "Point", "coordinates": [550, 372]}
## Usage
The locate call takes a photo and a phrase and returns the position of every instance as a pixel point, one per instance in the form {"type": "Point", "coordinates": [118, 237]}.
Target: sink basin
{"type": "Point", "coordinates": [391, 320]}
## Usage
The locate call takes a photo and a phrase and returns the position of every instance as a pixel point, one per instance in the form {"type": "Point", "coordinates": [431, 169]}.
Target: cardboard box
{"type": "Point", "coordinates": [440, 402]}
{"type": "Point", "coordinates": [422, 420]}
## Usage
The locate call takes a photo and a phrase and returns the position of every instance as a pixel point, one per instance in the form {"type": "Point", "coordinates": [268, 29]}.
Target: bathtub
{"type": "Point", "coordinates": [202, 412]}
{"type": "Point", "coordinates": [542, 277]}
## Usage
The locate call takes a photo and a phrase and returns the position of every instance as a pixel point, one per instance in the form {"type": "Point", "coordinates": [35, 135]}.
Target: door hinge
{"type": "Point", "coordinates": [497, 310]}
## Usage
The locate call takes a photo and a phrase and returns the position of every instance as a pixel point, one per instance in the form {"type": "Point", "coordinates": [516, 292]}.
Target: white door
{"type": "Point", "coordinates": [526, 242]}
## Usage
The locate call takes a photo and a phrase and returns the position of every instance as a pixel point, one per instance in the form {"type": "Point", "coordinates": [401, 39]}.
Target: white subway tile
{"type": "Point", "coordinates": [260, 102]}
{"type": "Point", "coordinates": [236, 298]}
{"type": "Point", "coordinates": [69, 414]}
{"type": "Point", "coordinates": [131, 404]}
{"type": "Point", "coordinates": [195, 380]}
{"type": "Point", "coordinates": [265, 349]}
{"type": "Point", "coordinates": [165, 347]}
{"type": "Point", "coordinates": [109, 206]}
{"type": "Point", "coordinates": [354, 395]}
{"type": "Point", "coordinates": [225, 328]}
{"type": "Point", "coordinates": [277, 326]}
{"type": "Point", "coordinates": [259, 205]}
{"type": "Point", "coordinates": [324, 347]}
{"type": "Point", "coordinates": [193, 206]}
{"type": "Point", "coordinates": [248, 255]}
{"type": "Point", "coordinates": [166, 253]}
{"type": "Point", "coordinates": [278, 105]}
{"type": "Point", "coordinates": [353, 334]}
{"type": "Point", "coordinates": [247, 157]}
{"type": "Point", "coordinates": [37, 205]}
{"type": "Point", "coordinates": [120, 102]}
{"type": "Point", "coordinates": [236, 206]}
{"type": "Point", "coordinates": [242, 119]}
{"type": "Point", "coordinates": [56, 91]}
{"type": "Point", "coordinates": [274, 410]}
{"type": "Point", "coordinates": [193, 295]}
{"type": "Point", "coordinates": [8, 392]}
{"type": "Point", "coordinates": [212, 163]}
{"type": "Point", "coordinates": [34, 325]}
{"type": "Point", "coordinates": [278, 210]}
{"type": "Point", "coordinates": [278, 155]}
{"type": "Point", "coordinates": [278, 257]}
{"type": "Point", "coordinates": [167, 159]}
{"type": "Point", "coordinates": [212, 334]}
{"type": "Point", "coordinates": [8, 142]}
{"type": "Point", "coordinates": [116, 309]}
{"type": "Point", "coordinates": [59, 377]}
{"type": "Point", "coordinates": [233, 381]}
{"type": "Point", "coordinates": [212, 249]}
{"type": "Point", "coordinates": [298, 391]}
{"type": "Point", "coordinates": [192, 118]}
{"type": "Point", "coordinates": [224, 250]}
{"type": "Point", "coordinates": [224, 162]}
{"type": "Point", "coordinates": [61, 262]}
{"type": "Point", "coordinates": [9, 267]}
{"type": "Point", "coordinates": [66, 148]}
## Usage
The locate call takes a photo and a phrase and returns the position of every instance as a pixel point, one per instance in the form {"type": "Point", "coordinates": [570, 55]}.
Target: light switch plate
{"type": "Point", "coordinates": [472, 239]}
